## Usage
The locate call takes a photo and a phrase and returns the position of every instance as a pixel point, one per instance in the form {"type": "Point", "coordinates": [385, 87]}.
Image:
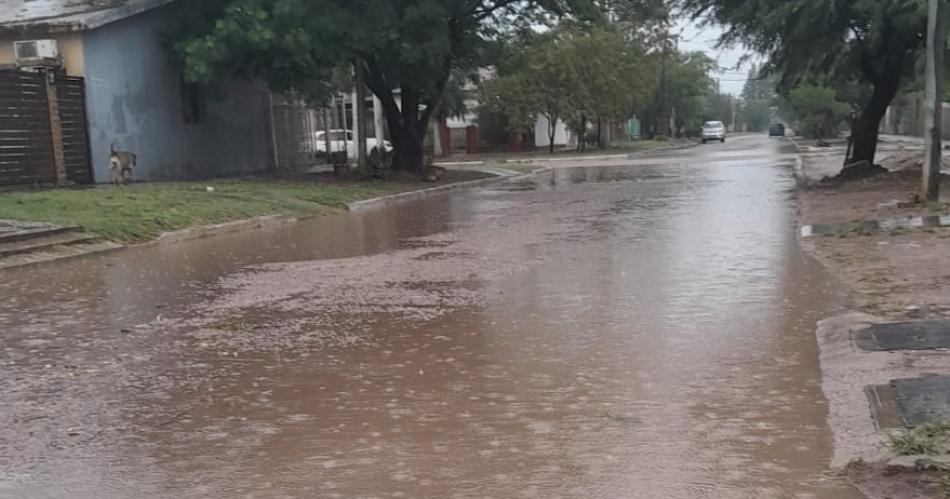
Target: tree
{"type": "Point", "coordinates": [407, 49]}
{"type": "Point", "coordinates": [720, 107]}
{"type": "Point", "coordinates": [536, 78]}
{"type": "Point", "coordinates": [876, 41]}
{"type": "Point", "coordinates": [574, 73]}
{"type": "Point", "coordinates": [688, 89]}
{"type": "Point", "coordinates": [513, 97]}
{"type": "Point", "coordinates": [758, 97]}
{"type": "Point", "coordinates": [816, 111]}
{"type": "Point", "coordinates": [615, 72]}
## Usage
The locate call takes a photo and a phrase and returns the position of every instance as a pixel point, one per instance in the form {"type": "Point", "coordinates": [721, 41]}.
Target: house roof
{"type": "Point", "coordinates": [69, 15]}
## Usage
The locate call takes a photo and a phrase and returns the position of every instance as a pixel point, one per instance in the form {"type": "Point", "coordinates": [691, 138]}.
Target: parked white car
{"type": "Point", "coordinates": [714, 130]}
{"type": "Point", "coordinates": [340, 139]}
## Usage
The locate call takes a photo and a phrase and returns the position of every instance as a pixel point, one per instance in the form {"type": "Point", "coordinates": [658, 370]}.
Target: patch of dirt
{"type": "Point", "coordinates": [889, 271]}
{"type": "Point", "coordinates": [899, 274]}
{"type": "Point", "coordinates": [894, 275]}
{"type": "Point", "coordinates": [876, 482]}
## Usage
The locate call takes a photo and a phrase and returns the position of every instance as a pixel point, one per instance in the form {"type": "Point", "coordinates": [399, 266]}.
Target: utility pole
{"type": "Point", "coordinates": [930, 186]}
{"type": "Point", "coordinates": [735, 126]}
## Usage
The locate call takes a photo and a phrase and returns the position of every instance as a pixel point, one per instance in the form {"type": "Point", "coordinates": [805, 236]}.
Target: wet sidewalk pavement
{"type": "Point", "coordinates": [638, 328]}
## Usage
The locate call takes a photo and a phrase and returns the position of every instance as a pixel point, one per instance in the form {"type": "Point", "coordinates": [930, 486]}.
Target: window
{"type": "Point", "coordinates": [190, 102]}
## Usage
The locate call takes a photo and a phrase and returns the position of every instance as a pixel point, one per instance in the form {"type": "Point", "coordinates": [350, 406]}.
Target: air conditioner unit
{"type": "Point", "coordinates": [36, 53]}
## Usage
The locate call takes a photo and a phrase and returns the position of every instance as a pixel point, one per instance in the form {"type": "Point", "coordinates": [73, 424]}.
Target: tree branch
{"type": "Point", "coordinates": [489, 10]}
{"type": "Point", "coordinates": [866, 67]}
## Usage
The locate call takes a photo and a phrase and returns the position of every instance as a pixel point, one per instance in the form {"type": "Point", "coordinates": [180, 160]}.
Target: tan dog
{"type": "Point", "coordinates": [120, 166]}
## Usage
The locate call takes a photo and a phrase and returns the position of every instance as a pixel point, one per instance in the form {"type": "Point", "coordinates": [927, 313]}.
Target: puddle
{"type": "Point", "coordinates": [618, 331]}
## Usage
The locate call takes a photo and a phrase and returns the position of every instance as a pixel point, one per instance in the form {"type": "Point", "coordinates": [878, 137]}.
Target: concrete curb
{"type": "Point", "coordinates": [58, 254]}
{"type": "Point", "coordinates": [402, 197]}
{"type": "Point", "coordinates": [222, 228]}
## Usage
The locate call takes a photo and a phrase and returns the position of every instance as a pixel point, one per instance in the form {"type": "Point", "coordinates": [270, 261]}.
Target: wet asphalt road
{"type": "Point", "coordinates": [635, 328]}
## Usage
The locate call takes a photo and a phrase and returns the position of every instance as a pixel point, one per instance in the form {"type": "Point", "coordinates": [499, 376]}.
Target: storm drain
{"type": "Point", "coordinates": [923, 335]}
{"type": "Point", "coordinates": [910, 402]}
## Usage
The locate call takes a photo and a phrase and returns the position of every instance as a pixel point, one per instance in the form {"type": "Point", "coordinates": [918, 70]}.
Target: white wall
{"type": "Point", "coordinates": [541, 133]}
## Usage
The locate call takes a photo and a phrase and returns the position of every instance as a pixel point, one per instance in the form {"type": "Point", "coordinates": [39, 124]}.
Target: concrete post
{"type": "Point", "coordinates": [378, 122]}
{"type": "Point", "coordinates": [930, 186]}
{"type": "Point", "coordinates": [327, 126]}
{"type": "Point", "coordinates": [354, 119]}
{"type": "Point", "coordinates": [56, 128]}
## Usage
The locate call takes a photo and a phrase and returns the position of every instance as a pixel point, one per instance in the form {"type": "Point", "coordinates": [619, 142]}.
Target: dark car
{"type": "Point", "coordinates": [777, 130]}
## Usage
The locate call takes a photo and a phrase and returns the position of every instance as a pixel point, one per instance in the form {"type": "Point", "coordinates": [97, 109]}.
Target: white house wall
{"type": "Point", "coordinates": [541, 133]}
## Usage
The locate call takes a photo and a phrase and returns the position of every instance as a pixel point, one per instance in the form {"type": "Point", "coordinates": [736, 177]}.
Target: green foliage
{"type": "Point", "coordinates": [574, 74]}
{"type": "Point", "coordinates": [720, 107]}
{"type": "Point", "coordinates": [688, 88]}
{"type": "Point", "coordinates": [615, 74]}
{"type": "Point", "coordinates": [875, 42]}
{"type": "Point", "coordinates": [927, 439]}
{"type": "Point", "coordinates": [757, 115]}
{"type": "Point", "coordinates": [410, 45]}
{"type": "Point", "coordinates": [806, 39]}
{"type": "Point", "coordinates": [758, 97]}
{"type": "Point", "coordinates": [512, 96]}
{"type": "Point", "coordinates": [816, 110]}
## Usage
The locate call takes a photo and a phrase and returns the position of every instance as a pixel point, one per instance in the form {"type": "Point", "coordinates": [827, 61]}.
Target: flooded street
{"type": "Point", "coordinates": [637, 328]}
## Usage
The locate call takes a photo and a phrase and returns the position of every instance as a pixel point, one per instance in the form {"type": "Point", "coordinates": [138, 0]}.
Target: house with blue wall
{"type": "Point", "coordinates": [135, 96]}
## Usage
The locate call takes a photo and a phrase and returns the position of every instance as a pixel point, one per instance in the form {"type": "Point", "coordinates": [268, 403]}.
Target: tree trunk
{"type": "Point", "coordinates": [552, 131]}
{"type": "Point", "coordinates": [409, 154]}
{"type": "Point", "coordinates": [581, 134]}
{"type": "Point", "coordinates": [406, 129]}
{"type": "Point", "coordinates": [407, 124]}
{"type": "Point", "coordinates": [866, 127]}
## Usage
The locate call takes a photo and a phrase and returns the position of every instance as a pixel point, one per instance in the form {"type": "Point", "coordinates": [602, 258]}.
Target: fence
{"type": "Point", "coordinates": [43, 132]}
{"type": "Point", "coordinates": [295, 126]}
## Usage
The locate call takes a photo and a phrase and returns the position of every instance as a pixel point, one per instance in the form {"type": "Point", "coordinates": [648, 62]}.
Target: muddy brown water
{"type": "Point", "coordinates": [638, 328]}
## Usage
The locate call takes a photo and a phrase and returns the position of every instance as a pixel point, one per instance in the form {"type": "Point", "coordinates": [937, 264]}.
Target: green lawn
{"type": "Point", "coordinates": [143, 211]}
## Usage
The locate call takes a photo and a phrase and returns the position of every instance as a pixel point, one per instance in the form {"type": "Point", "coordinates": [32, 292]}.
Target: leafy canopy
{"type": "Point", "coordinates": [412, 47]}
{"type": "Point", "coordinates": [810, 39]}
{"type": "Point", "coordinates": [406, 43]}
{"type": "Point", "coordinates": [572, 73]}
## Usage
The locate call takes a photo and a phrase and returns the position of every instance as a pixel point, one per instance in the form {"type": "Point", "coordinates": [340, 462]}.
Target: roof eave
{"type": "Point", "coordinates": [83, 21]}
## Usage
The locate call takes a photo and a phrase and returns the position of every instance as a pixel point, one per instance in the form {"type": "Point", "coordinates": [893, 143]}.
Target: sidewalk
{"type": "Point", "coordinates": [892, 151]}
{"type": "Point", "coordinates": [866, 233]}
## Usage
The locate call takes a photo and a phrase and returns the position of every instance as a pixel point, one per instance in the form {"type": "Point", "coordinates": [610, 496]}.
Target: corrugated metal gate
{"type": "Point", "coordinates": [294, 127]}
{"type": "Point", "coordinates": [43, 130]}
{"type": "Point", "coordinates": [72, 115]}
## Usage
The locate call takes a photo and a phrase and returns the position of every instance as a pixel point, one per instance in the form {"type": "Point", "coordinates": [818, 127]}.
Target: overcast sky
{"type": "Point", "coordinates": [693, 38]}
